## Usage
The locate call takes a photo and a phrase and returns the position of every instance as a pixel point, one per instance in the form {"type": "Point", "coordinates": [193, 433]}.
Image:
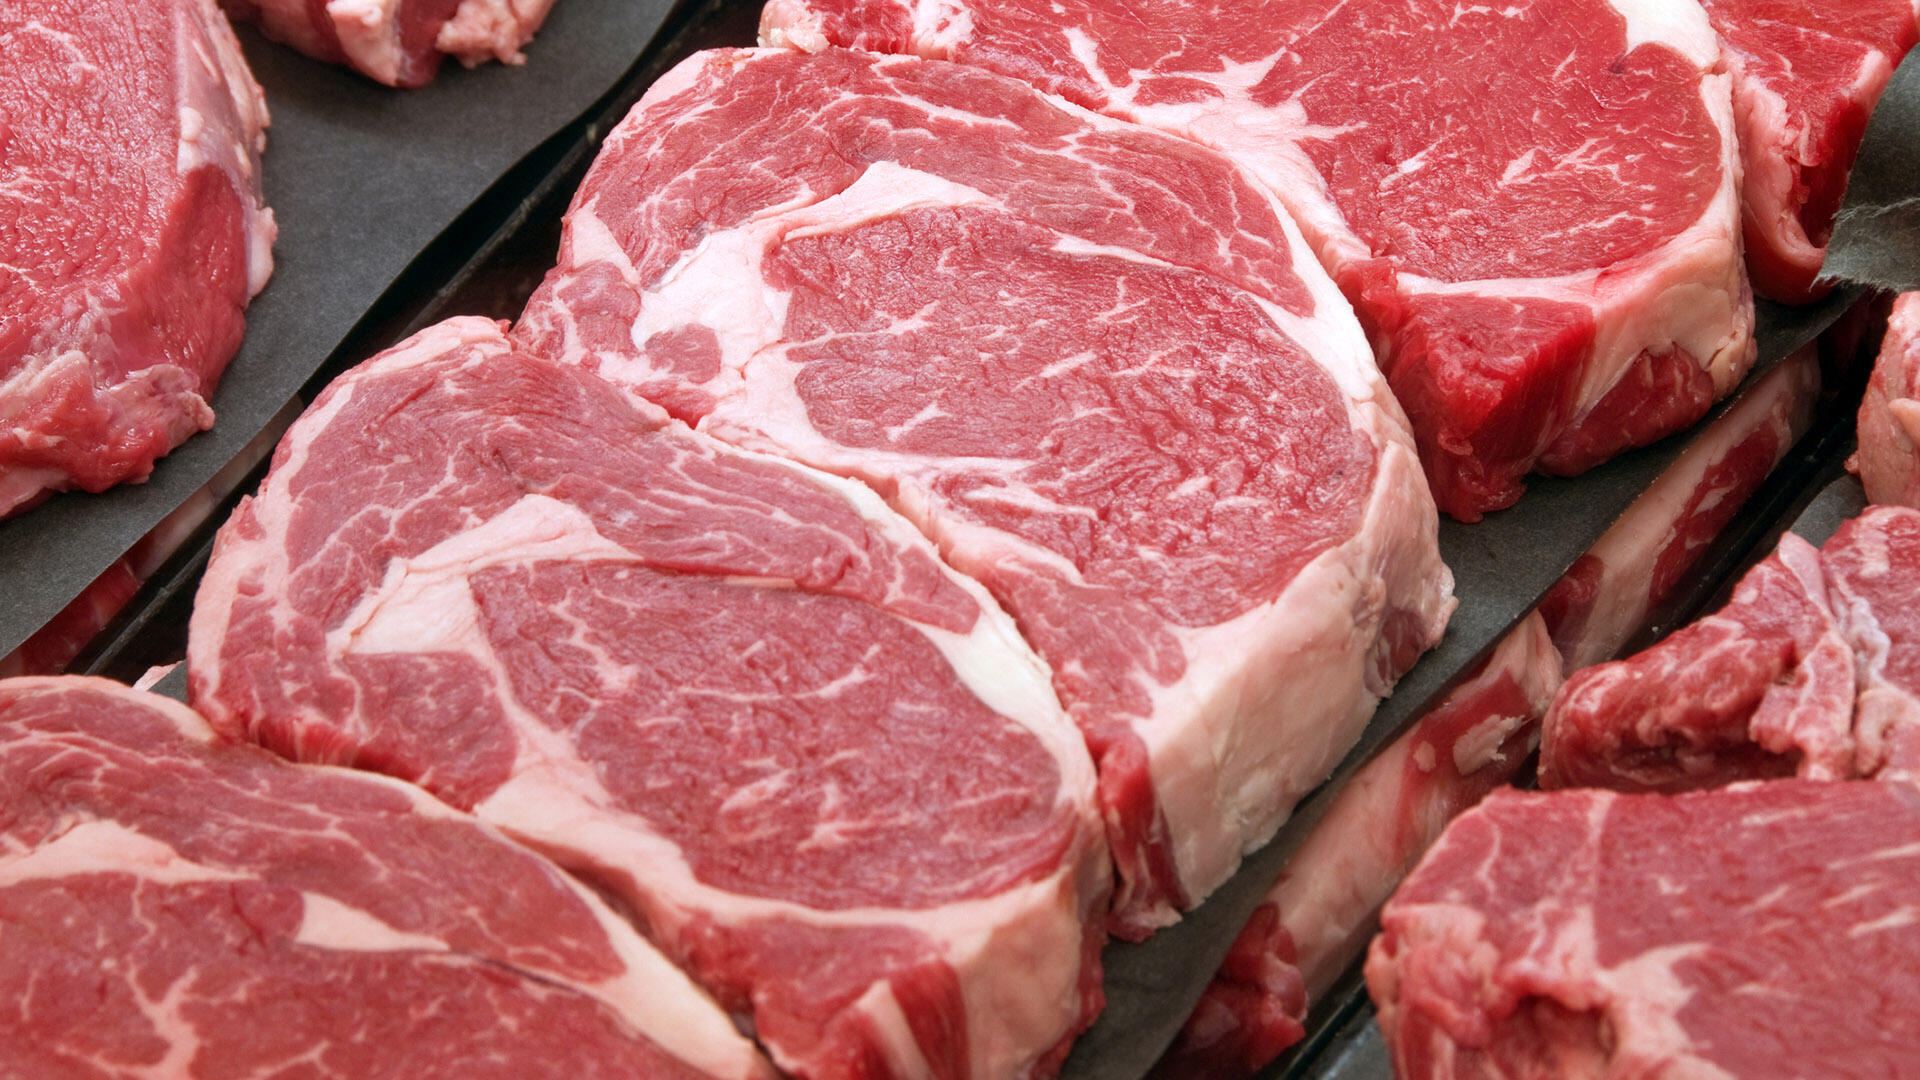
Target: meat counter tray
{"type": "Point", "coordinates": [1503, 564]}
{"type": "Point", "coordinates": [376, 191]}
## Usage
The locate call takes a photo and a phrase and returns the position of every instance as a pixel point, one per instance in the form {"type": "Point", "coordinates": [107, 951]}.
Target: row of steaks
{"type": "Point", "coordinates": [921, 525]}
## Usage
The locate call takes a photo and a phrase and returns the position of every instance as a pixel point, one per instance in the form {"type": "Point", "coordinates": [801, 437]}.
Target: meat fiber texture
{"type": "Point", "coordinates": [1888, 460]}
{"type": "Point", "coordinates": [1806, 76]}
{"type": "Point", "coordinates": [745, 698]}
{"type": "Point", "coordinates": [1094, 364]}
{"type": "Point", "coordinates": [132, 234]}
{"type": "Point", "coordinates": [1534, 206]}
{"type": "Point", "coordinates": [1812, 669]}
{"type": "Point", "coordinates": [171, 905]}
{"type": "Point", "coordinates": [1316, 921]}
{"type": "Point", "coordinates": [1761, 930]}
{"type": "Point", "coordinates": [398, 42]}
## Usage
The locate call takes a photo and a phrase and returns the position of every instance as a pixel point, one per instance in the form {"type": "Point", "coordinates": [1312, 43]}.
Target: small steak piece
{"type": "Point", "coordinates": [1888, 461]}
{"type": "Point", "coordinates": [132, 234]}
{"type": "Point", "coordinates": [1533, 205]}
{"type": "Point", "coordinates": [1806, 76]}
{"type": "Point", "coordinates": [745, 698]}
{"type": "Point", "coordinates": [1317, 919]}
{"type": "Point", "coordinates": [1813, 668]}
{"type": "Point", "coordinates": [398, 42]}
{"type": "Point", "coordinates": [1093, 363]}
{"type": "Point", "coordinates": [1761, 930]}
{"type": "Point", "coordinates": [173, 905]}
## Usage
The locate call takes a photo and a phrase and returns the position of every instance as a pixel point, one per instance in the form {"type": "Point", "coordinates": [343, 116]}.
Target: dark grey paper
{"type": "Point", "coordinates": [1876, 238]}
{"type": "Point", "coordinates": [1840, 502]}
{"type": "Point", "coordinates": [361, 179]}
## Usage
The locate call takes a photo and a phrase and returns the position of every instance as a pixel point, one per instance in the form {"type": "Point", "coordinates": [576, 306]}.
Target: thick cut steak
{"type": "Point", "coordinates": [1762, 930]}
{"type": "Point", "coordinates": [1533, 205]}
{"type": "Point", "coordinates": [1888, 460]}
{"type": "Point", "coordinates": [1318, 917]}
{"type": "Point", "coordinates": [132, 234]}
{"type": "Point", "coordinates": [1806, 76]}
{"type": "Point", "coordinates": [398, 42]}
{"type": "Point", "coordinates": [1316, 921]}
{"type": "Point", "coordinates": [1092, 362]}
{"type": "Point", "coordinates": [1813, 668]}
{"type": "Point", "coordinates": [175, 906]}
{"type": "Point", "coordinates": [746, 698]}
{"type": "Point", "coordinates": [1611, 593]}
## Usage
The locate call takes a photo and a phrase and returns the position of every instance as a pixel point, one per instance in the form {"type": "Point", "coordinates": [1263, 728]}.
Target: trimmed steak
{"type": "Point", "coordinates": [1806, 76]}
{"type": "Point", "coordinates": [1756, 931]}
{"type": "Point", "coordinates": [398, 42]}
{"type": "Point", "coordinates": [1091, 362]}
{"type": "Point", "coordinates": [175, 906]}
{"type": "Point", "coordinates": [1888, 460]}
{"type": "Point", "coordinates": [1533, 205]}
{"type": "Point", "coordinates": [1315, 922]}
{"type": "Point", "coordinates": [132, 234]}
{"type": "Point", "coordinates": [745, 698]}
{"type": "Point", "coordinates": [1813, 668]}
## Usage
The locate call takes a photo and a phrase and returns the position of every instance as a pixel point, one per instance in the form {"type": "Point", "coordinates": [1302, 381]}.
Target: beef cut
{"type": "Point", "coordinates": [1617, 588]}
{"type": "Point", "coordinates": [1315, 923]}
{"type": "Point", "coordinates": [178, 907]}
{"type": "Point", "coordinates": [1317, 919]}
{"type": "Point", "coordinates": [1888, 460]}
{"type": "Point", "coordinates": [132, 234]}
{"type": "Point", "coordinates": [1812, 669]}
{"type": "Point", "coordinates": [1534, 206]}
{"type": "Point", "coordinates": [1093, 363]}
{"type": "Point", "coordinates": [821, 769]}
{"type": "Point", "coordinates": [1761, 930]}
{"type": "Point", "coordinates": [1806, 76]}
{"type": "Point", "coordinates": [398, 42]}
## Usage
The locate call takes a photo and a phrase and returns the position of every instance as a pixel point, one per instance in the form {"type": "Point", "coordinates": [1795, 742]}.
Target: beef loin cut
{"type": "Point", "coordinates": [1092, 362]}
{"type": "Point", "coordinates": [132, 234]}
{"type": "Point", "coordinates": [398, 42]}
{"type": "Point", "coordinates": [821, 769]}
{"type": "Point", "coordinates": [1765, 929]}
{"type": "Point", "coordinates": [1888, 460]}
{"type": "Point", "coordinates": [1533, 205]}
{"type": "Point", "coordinates": [1806, 76]}
{"type": "Point", "coordinates": [1315, 921]}
{"type": "Point", "coordinates": [175, 906]}
{"type": "Point", "coordinates": [1318, 917]}
{"type": "Point", "coordinates": [1812, 668]}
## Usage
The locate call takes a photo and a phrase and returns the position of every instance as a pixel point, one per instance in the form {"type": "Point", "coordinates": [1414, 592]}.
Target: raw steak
{"type": "Point", "coordinates": [1888, 460]}
{"type": "Point", "coordinates": [1611, 593]}
{"type": "Point", "coordinates": [745, 698]}
{"type": "Point", "coordinates": [1533, 205]}
{"type": "Point", "coordinates": [1317, 919]}
{"type": "Point", "coordinates": [1093, 363]}
{"type": "Point", "coordinates": [1813, 668]}
{"type": "Point", "coordinates": [398, 42]}
{"type": "Point", "coordinates": [1319, 915]}
{"type": "Point", "coordinates": [131, 234]}
{"type": "Point", "coordinates": [1806, 75]}
{"type": "Point", "coordinates": [1763, 930]}
{"type": "Point", "coordinates": [176, 907]}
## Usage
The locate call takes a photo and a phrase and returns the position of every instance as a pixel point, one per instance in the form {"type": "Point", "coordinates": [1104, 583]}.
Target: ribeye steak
{"type": "Point", "coordinates": [175, 906]}
{"type": "Point", "coordinates": [1092, 362]}
{"type": "Point", "coordinates": [1533, 205]}
{"type": "Point", "coordinates": [1762, 930]}
{"type": "Point", "coordinates": [821, 769]}
{"type": "Point", "coordinates": [132, 234]}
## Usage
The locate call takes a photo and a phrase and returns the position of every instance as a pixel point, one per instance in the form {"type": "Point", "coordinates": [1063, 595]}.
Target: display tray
{"type": "Point", "coordinates": [492, 258]}
{"type": "Point", "coordinates": [379, 194]}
